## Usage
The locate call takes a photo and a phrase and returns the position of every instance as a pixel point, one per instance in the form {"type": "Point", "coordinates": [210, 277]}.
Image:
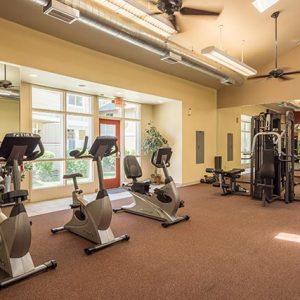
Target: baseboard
{"type": "Point", "coordinates": [187, 183]}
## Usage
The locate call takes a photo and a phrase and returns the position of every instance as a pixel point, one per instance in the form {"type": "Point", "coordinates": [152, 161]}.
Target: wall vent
{"type": "Point", "coordinates": [171, 58]}
{"type": "Point", "coordinates": [61, 12]}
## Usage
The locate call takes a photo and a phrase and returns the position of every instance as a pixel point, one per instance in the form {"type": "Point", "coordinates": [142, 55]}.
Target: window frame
{"type": "Point", "coordinates": [245, 161]}
{"type": "Point", "coordinates": [65, 113]}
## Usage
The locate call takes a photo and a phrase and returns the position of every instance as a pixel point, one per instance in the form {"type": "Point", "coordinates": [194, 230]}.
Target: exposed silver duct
{"type": "Point", "coordinates": [9, 93]}
{"type": "Point", "coordinates": [142, 40]}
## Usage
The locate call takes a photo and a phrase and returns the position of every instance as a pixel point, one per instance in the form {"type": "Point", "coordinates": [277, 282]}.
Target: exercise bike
{"type": "Point", "coordinates": [91, 219]}
{"type": "Point", "coordinates": [163, 203]}
{"type": "Point", "coordinates": [15, 230]}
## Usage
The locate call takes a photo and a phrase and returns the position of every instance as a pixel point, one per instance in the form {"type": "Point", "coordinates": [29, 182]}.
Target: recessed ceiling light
{"type": "Point", "coordinates": [81, 85]}
{"type": "Point", "coordinates": [120, 94]}
{"type": "Point", "coordinates": [262, 5]}
{"type": "Point", "coordinates": [32, 75]}
{"type": "Point", "coordinates": [160, 101]}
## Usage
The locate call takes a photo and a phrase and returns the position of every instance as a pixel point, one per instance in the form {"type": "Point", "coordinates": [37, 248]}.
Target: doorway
{"type": "Point", "coordinates": [111, 164]}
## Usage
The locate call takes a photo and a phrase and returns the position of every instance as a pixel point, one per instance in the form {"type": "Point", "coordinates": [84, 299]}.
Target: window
{"type": "Point", "coordinates": [245, 138]}
{"type": "Point", "coordinates": [61, 130]}
{"type": "Point", "coordinates": [78, 127]}
{"type": "Point", "coordinates": [132, 137]}
{"type": "Point", "coordinates": [108, 108]}
{"type": "Point", "coordinates": [129, 113]}
{"type": "Point", "coordinates": [79, 103]}
{"type": "Point", "coordinates": [46, 99]}
{"type": "Point", "coordinates": [50, 126]}
{"type": "Point", "coordinates": [132, 110]}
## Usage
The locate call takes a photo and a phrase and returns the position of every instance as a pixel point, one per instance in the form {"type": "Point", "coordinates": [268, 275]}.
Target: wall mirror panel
{"type": "Point", "coordinates": [9, 99]}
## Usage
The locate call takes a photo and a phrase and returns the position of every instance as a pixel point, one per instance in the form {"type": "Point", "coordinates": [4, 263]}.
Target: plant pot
{"type": "Point", "coordinates": [156, 179]}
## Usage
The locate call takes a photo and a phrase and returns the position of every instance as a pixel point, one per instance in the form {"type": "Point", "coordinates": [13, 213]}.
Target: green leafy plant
{"type": "Point", "coordinates": [153, 141]}
{"type": "Point", "coordinates": [27, 167]}
{"type": "Point", "coordinates": [78, 166]}
{"type": "Point", "coordinates": [44, 169]}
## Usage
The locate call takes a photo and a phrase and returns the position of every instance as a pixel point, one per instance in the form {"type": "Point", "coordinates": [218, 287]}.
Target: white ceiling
{"type": "Point", "coordinates": [73, 84]}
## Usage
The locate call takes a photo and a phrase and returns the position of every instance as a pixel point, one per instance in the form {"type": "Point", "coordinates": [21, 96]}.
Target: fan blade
{"type": "Point", "coordinates": [259, 76]}
{"type": "Point", "coordinates": [156, 13]}
{"type": "Point", "coordinates": [291, 73]}
{"type": "Point", "coordinates": [197, 12]}
{"type": "Point", "coordinates": [172, 19]}
{"type": "Point", "coordinates": [285, 78]}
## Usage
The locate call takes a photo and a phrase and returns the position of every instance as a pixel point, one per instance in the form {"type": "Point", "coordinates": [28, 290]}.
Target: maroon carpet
{"type": "Point", "coordinates": [226, 251]}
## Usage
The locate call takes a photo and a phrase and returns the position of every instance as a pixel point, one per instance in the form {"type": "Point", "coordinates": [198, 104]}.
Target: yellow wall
{"type": "Point", "coordinates": [9, 116]}
{"type": "Point", "coordinates": [263, 90]}
{"type": "Point", "coordinates": [146, 118]}
{"type": "Point", "coordinates": [27, 47]}
{"type": "Point", "coordinates": [171, 129]}
{"type": "Point", "coordinates": [229, 121]}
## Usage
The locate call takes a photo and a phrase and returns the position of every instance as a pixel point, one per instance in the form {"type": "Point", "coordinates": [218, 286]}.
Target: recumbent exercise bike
{"type": "Point", "coordinates": [164, 202]}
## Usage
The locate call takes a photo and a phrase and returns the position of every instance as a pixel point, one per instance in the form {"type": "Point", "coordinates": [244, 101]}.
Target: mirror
{"type": "Point", "coordinates": [9, 99]}
{"type": "Point", "coordinates": [237, 121]}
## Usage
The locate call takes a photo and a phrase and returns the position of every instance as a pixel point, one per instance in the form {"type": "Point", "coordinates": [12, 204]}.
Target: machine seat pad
{"type": "Point", "coordinates": [71, 176]}
{"type": "Point", "coordinates": [267, 171]}
{"type": "Point", "coordinates": [236, 171]}
{"type": "Point", "coordinates": [132, 167]}
{"type": "Point", "coordinates": [141, 187]}
{"type": "Point", "coordinates": [14, 195]}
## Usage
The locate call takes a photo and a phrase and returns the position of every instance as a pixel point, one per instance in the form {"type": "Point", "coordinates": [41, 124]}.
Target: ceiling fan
{"type": "Point", "coordinates": [277, 72]}
{"type": "Point", "coordinates": [170, 7]}
{"type": "Point", "coordinates": [4, 83]}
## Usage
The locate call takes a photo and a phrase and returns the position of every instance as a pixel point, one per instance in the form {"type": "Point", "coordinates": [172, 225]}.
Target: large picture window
{"type": "Point", "coordinates": [62, 119]}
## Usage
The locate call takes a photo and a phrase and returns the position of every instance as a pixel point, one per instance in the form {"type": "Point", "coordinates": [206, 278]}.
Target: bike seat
{"type": "Point", "coordinates": [71, 176]}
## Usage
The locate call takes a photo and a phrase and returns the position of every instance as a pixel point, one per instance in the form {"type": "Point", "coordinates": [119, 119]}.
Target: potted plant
{"type": "Point", "coordinates": [152, 142]}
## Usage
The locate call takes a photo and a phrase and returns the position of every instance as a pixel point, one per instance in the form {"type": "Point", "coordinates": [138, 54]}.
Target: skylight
{"type": "Point", "coordinates": [262, 5]}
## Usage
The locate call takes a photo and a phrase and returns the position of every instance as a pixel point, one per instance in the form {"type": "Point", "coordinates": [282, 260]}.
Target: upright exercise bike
{"type": "Point", "coordinates": [163, 203]}
{"type": "Point", "coordinates": [91, 219]}
{"type": "Point", "coordinates": [15, 230]}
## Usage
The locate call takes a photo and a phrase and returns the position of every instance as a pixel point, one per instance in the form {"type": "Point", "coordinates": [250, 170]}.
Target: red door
{"type": "Point", "coordinates": [111, 164]}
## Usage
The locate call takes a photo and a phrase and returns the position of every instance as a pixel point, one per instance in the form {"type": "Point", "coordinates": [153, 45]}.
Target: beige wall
{"type": "Point", "coordinates": [27, 47]}
{"type": "Point", "coordinates": [9, 116]}
{"type": "Point", "coordinates": [262, 90]}
{"type": "Point", "coordinates": [168, 120]}
{"type": "Point", "coordinates": [146, 118]}
{"type": "Point", "coordinates": [203, 118]}
{"type": "Point", "coordinates": [229, 121]}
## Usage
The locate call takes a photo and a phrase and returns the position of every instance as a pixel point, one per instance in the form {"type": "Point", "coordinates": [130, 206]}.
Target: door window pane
{"type": "Point", "coordinates": [109, 108]}
{"type": "Point", "coordinates": [50, 127]}
{"type": "Point", "coordinates": [47, 174]}
{"type": "Point", "coordinates": [47, 99]}
{"type": "Point", "coordinates": [108, 130]}
{"type": "Point", "coordinates": [132, 110]}
{"type": "Point", "coordinates": [77, 128]}
{"type": "Point", "coordinates": [109, 167]}
{"type": "Point", "coordinates": [79, 103]}
{"type": "Point", "coordinates": [81, 166]}
{"type": "Point", "coordinates": [132, 138]}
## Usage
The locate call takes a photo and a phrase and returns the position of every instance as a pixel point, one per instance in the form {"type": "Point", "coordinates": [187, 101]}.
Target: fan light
{"type": "Point", "coordinates": [128, 10]}
{"type": "Point", "coordinates": [262, 5]}
{"type": "Point", "coordinates": [224, 59]}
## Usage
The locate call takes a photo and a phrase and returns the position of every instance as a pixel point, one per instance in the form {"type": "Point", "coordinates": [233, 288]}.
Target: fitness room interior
{"type": "Point", "coordinates": [149, 149]}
